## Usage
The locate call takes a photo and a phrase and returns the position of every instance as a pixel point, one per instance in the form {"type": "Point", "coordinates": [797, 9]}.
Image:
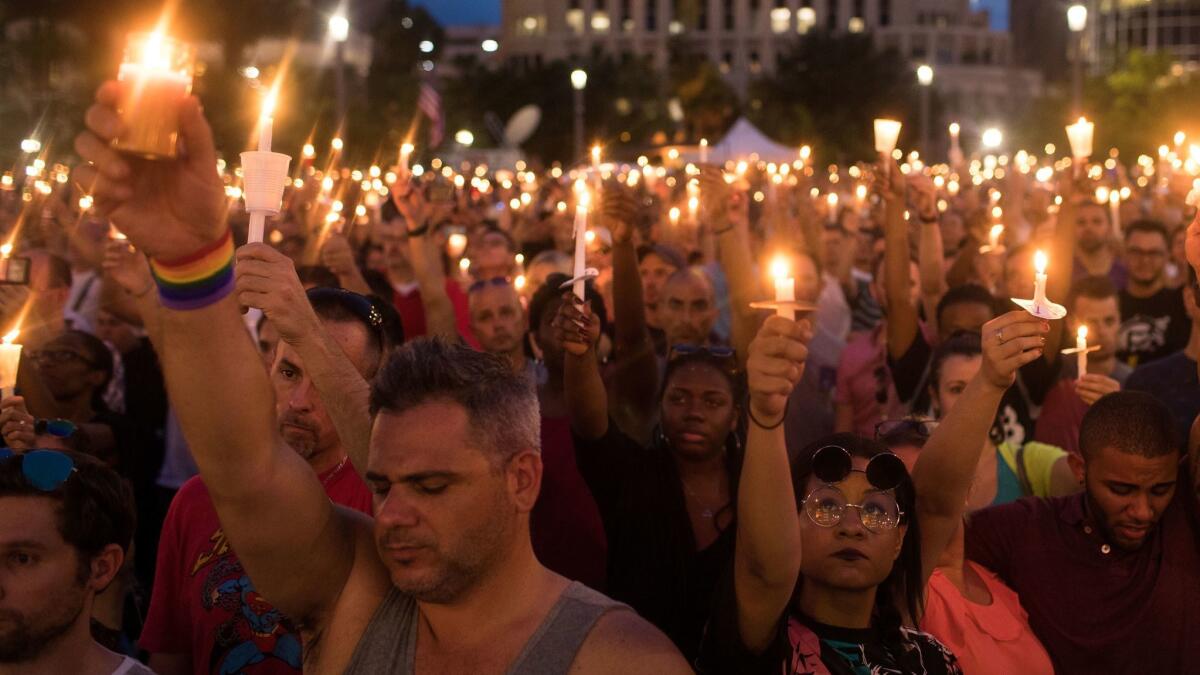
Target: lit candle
{"type": "Point", "coordinates": [1114, 207]}
{"type": "Point", "coordinates": [954, 131]}
{"type": "Point", "coordinates": [887, 132]}
{"type": "Point", "coordinates": [156, 76]}
{"type": "Point", "coordinates": [266, 122]}
{"type": "Point", "coordinates": [1081, 350]}
{"type": "Point", "coordinates": [704, 151]}
{"type": "Point", "coordinates": [1039, 279]}
{"type": "Point", "coordinates": [785, 288]}
{"type": "Point", "coordinates": [693, 208]}
{"type": "Point", "coordinates": [519, 283]}
{"type": "Point", "coordinates": [581, 213]}
{"type": "Point", "coordinates": [10, 360]}
{"type": "Point", "coordinates": [406, 150]}
{"type": "Point", "coordinates": [673, 214]}
{"type": "Point", "coordinates": [456, 243]}
{"type": "Point", "coordinates": [832, 200]}
{"type": "Point", "coordinates": [1080, 136]}
{"type": "Point", "coordinates": [994, 238]}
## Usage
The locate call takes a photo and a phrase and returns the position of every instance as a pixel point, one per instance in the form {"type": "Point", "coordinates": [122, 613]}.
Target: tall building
{"type": "Point", "coordinates": [1115, 27]}
{"type": "Point", "coordinates": [973, 64]}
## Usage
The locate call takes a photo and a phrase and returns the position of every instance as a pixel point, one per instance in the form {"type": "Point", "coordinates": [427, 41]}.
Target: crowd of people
{"type": "Point", "coordinates": [394, 438]}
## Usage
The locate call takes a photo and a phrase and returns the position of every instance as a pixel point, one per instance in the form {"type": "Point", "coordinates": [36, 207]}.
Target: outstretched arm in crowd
{"type": "Point", "coordinates": [267, 279]}
{"type": "Point", "coordinates": [635, 373]}
{"type": "Point", "coordinates": [421, 217]}
{"type": "Point", "coordinates": [726, 210]}
{"type": "Point", "coordinates": [214, 375]}
{"type": "Point", "coordinates": [947, 463]}
{"type": "Point", "coordinates": [587, 403]}
{"type": "Point", "coordinates": [929, 247]}
{"type": "Point", "coordinates": [128, 290]}
{"type": "Point", "coordinates": [338, 256]}
{"type": "Point", "coordinates": [902, 323]}
{"type": "Point", "coordinates": [767, 555]}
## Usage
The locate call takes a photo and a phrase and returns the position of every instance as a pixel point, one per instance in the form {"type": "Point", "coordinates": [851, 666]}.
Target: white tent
{"type": "Point", "coordinates": [744, 139]}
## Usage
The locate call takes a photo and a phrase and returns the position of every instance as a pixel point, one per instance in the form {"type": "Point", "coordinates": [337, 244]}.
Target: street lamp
{"type": "Point", "coordinates": [992, 138]}
{"type": "Point", "coordinates": [1077, 21]}
{"type": "Point", "coordinates": [579, 80]}
{"type": "Point", "coordinates": [925, 79]}
{"type": "Point", "coordinates": [339, 31]}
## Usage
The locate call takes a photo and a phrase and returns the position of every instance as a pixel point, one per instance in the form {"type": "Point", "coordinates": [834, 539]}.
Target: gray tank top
{"type": "Point", "coordinates": [389, 644]}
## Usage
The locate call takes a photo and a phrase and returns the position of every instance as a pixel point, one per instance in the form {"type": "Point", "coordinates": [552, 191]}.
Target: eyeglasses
{"type": "Point", "coordinates": [692, 350]}
{"type": "Point", "coordinates": [58, 427]}
{"type": "Point", "coordinates": [826, 506]}
{"type": "Point", "coordinates": [59, 357]}
{"type": "Point", "coordinates": [45, 470]}
{"type": "Point", "coordinates": [484, 283]}
{"type": "Point", "coordinates": [1144, 253]}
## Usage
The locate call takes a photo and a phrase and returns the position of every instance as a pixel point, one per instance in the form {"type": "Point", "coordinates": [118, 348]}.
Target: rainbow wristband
{"type": "Point", "coordinates": [197, 280]}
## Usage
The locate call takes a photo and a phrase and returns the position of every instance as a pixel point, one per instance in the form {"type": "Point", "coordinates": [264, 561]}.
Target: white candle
{"type": "Point", "coordinates": [887, 132]}
{"type": "Point", "coordinates": [581, 213]}
{"type": "Point", "coordinates": [994, 237]}
{"type": "Point", "coordinates": [266, 123]}
{"type": "Point", "coordinates": [1081, 350]}
{"type": "Point", "coordinates": [785, 288]}
{"type": "Point", "coordinates": [405, 152]}
{"type": "Point", "coordinates": [704, 151]}
{"type": "Point", "coordinates": [1080, 136]}
{"type": "Point", "coordinates": [1039, 280]}
{"type": "Point", "coordinates": [1114, 206]}
{"type": "Point", "coordinates": [693, 208]}
{"type": "Point", "coordinates": [10, 359]}
{"type": "Point", "coordinates": [673, 214]}
{"type": "Point", "coordinates": [832, 200]}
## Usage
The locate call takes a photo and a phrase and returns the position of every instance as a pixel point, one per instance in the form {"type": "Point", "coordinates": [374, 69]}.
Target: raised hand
{"type": "Point", "coordinates": [619, 209]}
{"type": "Point", "coordinates": [16, 424]}
{"type": "Point", "coordinates": [337, 255]}
{"type": "Point", "coordinates": [576, 325]}
{"type": "Point", "coordinates": [1009, 342]}
{"type": "Point", "coordinates": [1091, 387]}
{"type": "Point", "coordinates": [266, 279]}
{"type": "Point", "coordinates": [923, 195]}
{"type": "Point", "coordinates": [168, 208]}
{"type": "Point", "coordinates": [127, 267]}
{"type": "Point", "coordinates": [775, 365]}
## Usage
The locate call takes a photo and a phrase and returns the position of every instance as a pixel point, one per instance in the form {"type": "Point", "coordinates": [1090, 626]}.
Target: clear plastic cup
{"type": "Point", "coordinates": [155, 76]}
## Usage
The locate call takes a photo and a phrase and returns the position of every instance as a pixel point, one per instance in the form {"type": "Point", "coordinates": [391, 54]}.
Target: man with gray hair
{"type": "Point", "coordinates": [444, 580]}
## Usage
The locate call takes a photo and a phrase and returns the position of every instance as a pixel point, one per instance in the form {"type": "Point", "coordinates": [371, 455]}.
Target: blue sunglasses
{"type": "Point", "coordinates": [45, 470]}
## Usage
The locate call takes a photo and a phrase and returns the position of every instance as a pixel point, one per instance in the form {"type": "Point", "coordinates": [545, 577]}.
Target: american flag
{"type": "Point", "coordinates": [429, 101]}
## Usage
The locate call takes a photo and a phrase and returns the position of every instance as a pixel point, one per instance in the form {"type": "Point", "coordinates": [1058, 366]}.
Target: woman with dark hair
{"type": "Point", "coordinates": [669, 507]}
{"type": "Point", "coordinates": [1009, 468]}
{"type": "Point", "coordinates": [850, 506]}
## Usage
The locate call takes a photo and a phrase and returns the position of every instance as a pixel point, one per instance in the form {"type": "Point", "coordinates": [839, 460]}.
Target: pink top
{"type": "Point", "coordinates": [863, 378]}
{"type": "Point", "coordinates": [987, 639]}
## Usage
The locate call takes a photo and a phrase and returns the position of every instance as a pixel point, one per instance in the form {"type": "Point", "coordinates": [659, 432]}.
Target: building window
{"type": "Point", "coordinates": [730, 16]}
{"type": "Point", "coordinates": [627, 23]}
{"type": "Point", "coordinates": [781, 18]}
{"type": "Point", "coordinates": [702, 16]}
{"type": "Point", "coordinates": [600, 22]}
{"type": "Point", "coordinates": [531, 25]}
{"type": "Point", "coordinates": [885, 12]}
{"type": "Point", "coordinates": [755, 64]}
{"type": "Point", "coordinates": [831, 21]}
{"type": "Point", "coordinates": [806, 18]}
{"type": "Point", "coordinates": [575, 21]}
{"type": "Point", "coordinates": [651, 16]}
{"type": "Point", "coordinates": [726, 63]}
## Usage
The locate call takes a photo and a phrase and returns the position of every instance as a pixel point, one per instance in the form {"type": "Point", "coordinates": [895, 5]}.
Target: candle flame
{"type": "Point", "coordinates": [268, 106]}
{"type": "Point", "coordinates": [596, 154]}
{"type": "Point", "coordinates": [1039, 262]}
{"type": "Point", "coordinates": [6, 250]}
{"type": "Point", "coordinates": [780, 267]}
{"type": "Point", "coordinates": [12, 336]}
{"type": "Point", "coordinates": [1082, 333]}
{"type": "Point", "coordinates": [519, 282]}
{"type": "Point", "coordinates": [674, 214]}
{"type": "Point", "coordinates": [406, 148]}
{"type": "Point", "coordinates": [704, 142]}
{"type": "Point", "coordinates": [308, 150]}
{"type": "Point", "coordinates": [995, 233]}
{"type": "Point", "coordinates": [1114, 197]}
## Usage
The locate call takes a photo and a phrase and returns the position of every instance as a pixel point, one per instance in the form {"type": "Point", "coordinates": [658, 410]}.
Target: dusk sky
{"type": "Point", "coordinates": [458, 12]}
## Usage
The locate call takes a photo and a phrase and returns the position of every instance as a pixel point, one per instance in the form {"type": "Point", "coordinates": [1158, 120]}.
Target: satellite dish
{"type": "Point", "coordinates": [522, 125]}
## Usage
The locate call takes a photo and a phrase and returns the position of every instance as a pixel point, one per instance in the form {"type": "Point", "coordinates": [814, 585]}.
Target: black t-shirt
{"type": "Point", "coordinates": [1017, 416]}
{"type": "Point", "coordinates": [1172, 380]}
{"type": "Point", "coordinates": [803, 647]}
{"type": "Point", "coordinates": [1152, 327]}
{"type": "Point", "coordinates": [653, 564]}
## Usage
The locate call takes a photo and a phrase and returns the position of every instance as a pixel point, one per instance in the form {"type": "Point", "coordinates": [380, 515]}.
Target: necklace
{"type": "Point", "coordinates": [708, 512]}
{"type": "Point", "coordinates": [336, 470]}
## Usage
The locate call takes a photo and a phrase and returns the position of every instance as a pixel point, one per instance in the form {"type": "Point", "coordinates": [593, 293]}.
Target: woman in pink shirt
{"type": "Point", "coordinates": [967, 607]}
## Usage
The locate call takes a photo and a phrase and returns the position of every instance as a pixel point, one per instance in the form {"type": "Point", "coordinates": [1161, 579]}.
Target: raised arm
{"type": "Point", "coordinates": [267, 279]}
{"type": "Point", "coordinates": [947, 463]}
{"type": "Point", "coordinates": [767, 555]}
{"type": "Point", "coordinates": [930, 257]}
{"type": "Point", "coordinates": [635, 368]}
{"type": "Point", "coordinates": [173, 210]}
{"type": "Point", "coordinates": [421, 217]}
{"type": "Point", "coordinates": [587, 403]}
{"type": "Point", "coordinates": [901, 316]}
{"type": "Point", "coordinates": [337, 255]}
{"type": "Point", "coordinates": [1062, 256]}
{"type": "Point", "coordinates": [728, 217]}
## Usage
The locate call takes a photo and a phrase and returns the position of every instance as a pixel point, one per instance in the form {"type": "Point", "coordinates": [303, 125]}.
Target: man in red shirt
{"type": "Point", "coordinates": [205, 614]}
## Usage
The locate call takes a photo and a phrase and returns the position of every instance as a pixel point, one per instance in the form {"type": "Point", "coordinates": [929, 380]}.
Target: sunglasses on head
{"type": "Point", "coordinates": [826, 505]}
{"type": "Point", "coordinates": [906, 425]}
{"type": "Point", "coordinates": [484, 283]}
{"type": "Point", "coordinates": [360, 305]}
{"type": "Point", "coordinates": [691, 350]}
{"type": "Point", "coordinates": [45, 470]}
{"type": "Point", "coordinates": [58, 427]}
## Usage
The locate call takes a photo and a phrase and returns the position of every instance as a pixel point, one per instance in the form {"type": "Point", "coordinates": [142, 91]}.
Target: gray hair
{"type": "Point", "coordinates": [501, 406]}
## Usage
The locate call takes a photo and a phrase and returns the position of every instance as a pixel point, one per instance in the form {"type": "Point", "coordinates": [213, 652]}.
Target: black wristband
{"type": "Point", "coordinates": [723, 230]}
{"type": "Point", "coordinates": [760, 425]}
{"type": "Point", "coordinates": [420, 231]}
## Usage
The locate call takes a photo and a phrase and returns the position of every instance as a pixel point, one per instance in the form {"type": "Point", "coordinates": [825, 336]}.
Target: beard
{"type": "Point", "coordinates": [22, 640]}
{"type": "Point", "coordinates": [303, 440]}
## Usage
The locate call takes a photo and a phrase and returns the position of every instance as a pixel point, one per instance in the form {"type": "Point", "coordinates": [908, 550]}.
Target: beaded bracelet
{"type": "Point", "coordinates": [197, 280]}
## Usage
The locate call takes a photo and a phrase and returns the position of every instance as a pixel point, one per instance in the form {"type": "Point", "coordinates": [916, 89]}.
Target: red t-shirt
{"type": "Point", "coordinates": [1062, 415]}
{"type": "Point", "coordinates": [412, 312]}
{"type": "Point", "coordinates": [203, 603]}
{"type": "Point", "coordinates": [1095, 608]}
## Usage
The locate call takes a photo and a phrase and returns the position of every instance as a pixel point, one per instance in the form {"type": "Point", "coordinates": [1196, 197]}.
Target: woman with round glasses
{"type": "Point", "coordinates": [849, 506]}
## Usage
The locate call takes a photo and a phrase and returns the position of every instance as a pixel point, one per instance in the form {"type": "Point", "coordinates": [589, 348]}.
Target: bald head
{"type": "Point", "coordinates": [687, 308]}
